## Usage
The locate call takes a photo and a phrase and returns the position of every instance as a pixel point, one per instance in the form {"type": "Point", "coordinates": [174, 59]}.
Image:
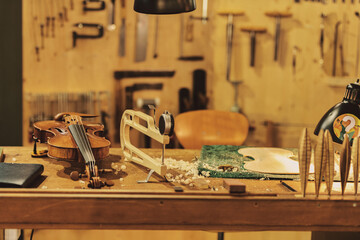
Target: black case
{"type": "Point", "coordinates": [19, 175]}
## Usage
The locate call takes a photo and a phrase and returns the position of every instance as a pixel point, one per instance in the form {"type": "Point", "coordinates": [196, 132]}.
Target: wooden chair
{"type": "Point", "coordinates": [210, 127]}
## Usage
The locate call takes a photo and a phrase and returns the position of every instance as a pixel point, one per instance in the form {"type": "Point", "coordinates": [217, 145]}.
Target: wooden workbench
{"type": "Point", "coordinates": [59, 202]}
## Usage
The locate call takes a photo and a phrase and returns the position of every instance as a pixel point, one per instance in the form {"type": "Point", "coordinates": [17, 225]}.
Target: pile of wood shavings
{"type": "Point", "coordinates": [185, 172]}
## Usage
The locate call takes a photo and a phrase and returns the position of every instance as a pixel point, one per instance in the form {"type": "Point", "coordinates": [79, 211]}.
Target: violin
{"type": "Point", "coordinates": [68, 137]}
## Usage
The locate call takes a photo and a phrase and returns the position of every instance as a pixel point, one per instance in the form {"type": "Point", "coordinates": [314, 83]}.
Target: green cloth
{"type": "Point", "coordinates": [213, 156]}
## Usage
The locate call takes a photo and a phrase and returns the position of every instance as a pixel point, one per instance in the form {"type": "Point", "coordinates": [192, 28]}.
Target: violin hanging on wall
{"type": "Point", "coordinates": [69, 138]}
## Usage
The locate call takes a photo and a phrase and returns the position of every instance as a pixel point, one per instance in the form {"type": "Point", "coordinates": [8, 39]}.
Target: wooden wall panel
{"type": "Point", "coordinates": [271, 91]}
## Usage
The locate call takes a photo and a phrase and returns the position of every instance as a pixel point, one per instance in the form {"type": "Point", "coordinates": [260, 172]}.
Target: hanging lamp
{"type": "Point", "coordinates": [164, 6]}
{"type": "Point", "coordinates": [343, 118]}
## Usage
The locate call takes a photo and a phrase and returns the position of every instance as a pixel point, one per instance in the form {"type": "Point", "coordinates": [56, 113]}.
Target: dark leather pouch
{"type": "Point", "coordinates": [19, 175]}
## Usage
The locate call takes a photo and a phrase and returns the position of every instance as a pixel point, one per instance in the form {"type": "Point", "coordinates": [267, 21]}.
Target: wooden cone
{"type": "Point", "coordinates": [304, 159]}
{"type": "Point", "coordinates": [355, 161]}
{"type": "Point", "coordinates": [329, 167]}
{"type": "Point", "coordinates": [345, 159]}
{"type": "Point", "coordinates": [319, 157]}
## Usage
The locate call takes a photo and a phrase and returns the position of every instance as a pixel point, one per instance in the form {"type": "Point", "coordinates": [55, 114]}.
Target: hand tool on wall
{"type": "Point", "coordinates": [277, 15]}
{"type": "Point", "coordinates": [341, 46]}
{"type": "Point", "coordinates": [229, 39]}
{"type": "Point", "coordinates": [100, 5]}
{"type": "Point", "coordinates": [156, 33]}
{"type": "Point", "coordinates": [229, 45]}
{"type": "Point", "coordinates": [35, 18]}
{"type": "Point", "coordinates": [321, 42]}
{"type": "Point", "coordinates": [336, 33]}
{"type": "Point", "coordinates": [200, 99]}
{"type": "Point", "coordinates": [71, 4]}
{"type": "Point", "coordinates": [59, 9]}
{"type": "Point", "coordinates": [122, 30]}
{"type": "Point", "coordinates": [42, 19]}
{"type": "Point", "coordinates": [129, 91]}
{"type": "Point", "coordinates": [357, 14]}
{"type": "Point", "coordinates": [76, 36]}
{"type": "Point", "coordinates": [141, 36]}
{"type": "Point", "coordinates": [181, 44]}
{"type": "Point", "coordinates": [53, 18]}
{"type": "Point", "coordinates": [253, 31]}
{"type": "Point", "coordinates": [295, 52]}
{"type": "Point", "coordinates": [65, 10]}
{"type": "Point", "coordinates": [189, 30]}
{"type": "Point", "coordinates": [118, 75]}
{"type": "Point", "coordinates": [204, 15]}
{"type": "Point", "coordinates": [48, 18]}
{"type": "Point", "coordinates": [111, 14]}
{"type": "Point", "coordinates": [184, 100]}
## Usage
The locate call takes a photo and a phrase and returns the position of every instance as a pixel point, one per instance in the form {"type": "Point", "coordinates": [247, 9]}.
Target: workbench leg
{"type": "Point", "coordinates": [220, 235]}
{"type": "Point", "coordinates": [335, 235]}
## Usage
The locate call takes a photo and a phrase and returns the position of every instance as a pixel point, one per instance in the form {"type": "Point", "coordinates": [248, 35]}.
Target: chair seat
{"type": "Point", "coordinates": [210, 127]}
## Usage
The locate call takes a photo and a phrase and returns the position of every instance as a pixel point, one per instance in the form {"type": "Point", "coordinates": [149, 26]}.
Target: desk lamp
{"type": "Point", "coordinates": [343, 118]}
{"type": "Point", "coordinates": [164, 6]}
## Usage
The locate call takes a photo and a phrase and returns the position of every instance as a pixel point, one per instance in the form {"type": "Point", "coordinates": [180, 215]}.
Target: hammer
{"type": "Point", "coordinates": [277, 15]}
{"type": "Point", "coordinates": [253, 31]}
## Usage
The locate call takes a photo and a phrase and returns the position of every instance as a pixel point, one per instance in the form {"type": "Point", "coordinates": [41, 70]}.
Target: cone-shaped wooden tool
{"type": "Point", "coordinates": [355, 161]}
{"type": "Point", "coordinates": [329, 161]}
{"type": "Point", "coordinates": [304, 159]}
{"type": "Point", "coordinates": [319, 158]}
{"type": "Point", "coordinates": [345, 159]}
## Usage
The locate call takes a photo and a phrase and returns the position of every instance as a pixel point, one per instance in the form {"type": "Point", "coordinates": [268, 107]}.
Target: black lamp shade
{"type": "Point", "coordinates": [344, 117]}
{"type": "Point", "coordinates": [164, 6]}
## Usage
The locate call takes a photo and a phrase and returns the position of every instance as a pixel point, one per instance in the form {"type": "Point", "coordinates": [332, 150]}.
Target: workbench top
{"type": "Point", "coordinates": [59, 202]}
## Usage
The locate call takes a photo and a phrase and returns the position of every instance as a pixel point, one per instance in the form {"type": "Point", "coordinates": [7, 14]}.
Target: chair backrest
{"type": "Point", "coordinates": [210, 127]}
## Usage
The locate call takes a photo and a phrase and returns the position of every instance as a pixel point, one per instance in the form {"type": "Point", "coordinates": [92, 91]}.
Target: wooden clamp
{"type": "Point", "coordinates": [131, 119]}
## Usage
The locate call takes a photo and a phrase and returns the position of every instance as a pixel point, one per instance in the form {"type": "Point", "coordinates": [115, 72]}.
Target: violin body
{"type": "Point", "coordinates": [61, 144]}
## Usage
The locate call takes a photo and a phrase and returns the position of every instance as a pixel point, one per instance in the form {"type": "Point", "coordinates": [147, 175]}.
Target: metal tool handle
{"type": "Point", "coordinates": [229, 38]}
{"type": "Point", "coordinates": [277, 38]}
{"type": "Point", "coordinates": [252, 48]}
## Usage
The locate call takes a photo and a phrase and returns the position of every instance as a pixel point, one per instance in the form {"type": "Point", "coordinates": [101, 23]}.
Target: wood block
{"type": "Point", "coordinates": [234, 185]}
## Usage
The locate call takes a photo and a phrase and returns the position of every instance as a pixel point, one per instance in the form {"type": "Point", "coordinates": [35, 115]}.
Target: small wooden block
{"type": "Point", "coordinates": [234, 185]}
{"type": "Point", "coordinates": [253, 29]}
{"type": "Point", "coordinates": [178, 189]}
{"type": "Point", "coordinates": [278, 14]}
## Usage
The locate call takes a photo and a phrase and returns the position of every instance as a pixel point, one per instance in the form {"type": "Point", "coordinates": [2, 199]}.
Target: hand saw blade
{"type": "Point", "coordinates": [142, 26]}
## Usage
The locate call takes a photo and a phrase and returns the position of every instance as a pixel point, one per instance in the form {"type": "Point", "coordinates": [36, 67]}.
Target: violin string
{"type": "Point", "coordinates": [87, 145]}
{"type": "Point", "coordinates": [92, 158]}
{"type": "Point", "coordinates": [78, 131]}
{"type": "Point", "coordinates": [74, 129]}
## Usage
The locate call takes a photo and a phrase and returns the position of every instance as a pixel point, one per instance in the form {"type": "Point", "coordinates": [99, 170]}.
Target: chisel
{"type": "Point", "coordinates": [141, 39]}
{"type": "Point", "coordinates": [111, 12]}
{"type": "Point", "coordinates": [122, 31]}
